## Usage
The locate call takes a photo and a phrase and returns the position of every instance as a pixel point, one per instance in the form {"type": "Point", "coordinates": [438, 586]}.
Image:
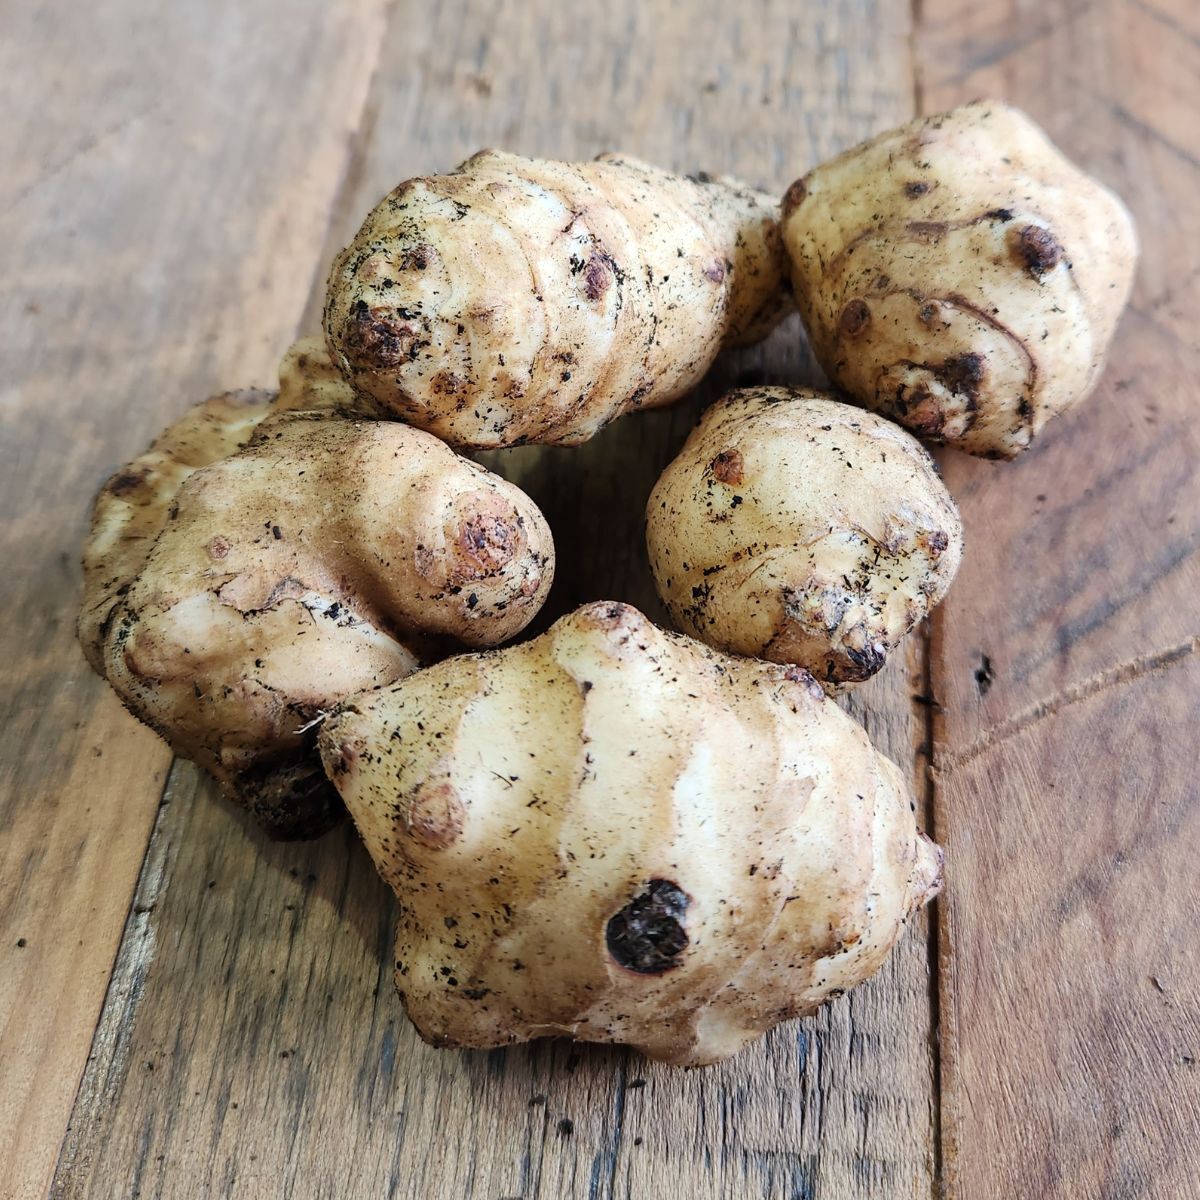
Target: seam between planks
{"type": "Point", "coordinates": [934, 936]}
{"type": "Point", "coordinates": [613, 1153]}
{"type": "Point", "coordinates": [131, 964]}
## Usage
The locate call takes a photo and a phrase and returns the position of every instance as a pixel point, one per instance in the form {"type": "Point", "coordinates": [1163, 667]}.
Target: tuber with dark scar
{"type": "Point", "coordinates": [521, 300]}
{"type": "Point", "coordinates": [799, 529]}
{"type": "Point", "coordinates": [960, 276]}
{"type": "Point", "coordinates": [268, 557]}
{"type": "Point", "coordinates": [616, 834]}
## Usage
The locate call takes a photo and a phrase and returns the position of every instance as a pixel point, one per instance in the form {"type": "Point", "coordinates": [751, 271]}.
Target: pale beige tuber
{"type": "Point", "coordinates": [960, 276]}
{"type": "Point", "coordinates": [522, 300]}
{"type": "Point", "coordinates": [262, 561]}
{"type": "Point", "coordinates": [617, 834]}
{"type": "Point", "coordinates": [798, 529]}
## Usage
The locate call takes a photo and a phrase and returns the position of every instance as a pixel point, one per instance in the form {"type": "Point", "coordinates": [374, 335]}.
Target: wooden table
{"type": "Point", "coordinates": [187, 1010]}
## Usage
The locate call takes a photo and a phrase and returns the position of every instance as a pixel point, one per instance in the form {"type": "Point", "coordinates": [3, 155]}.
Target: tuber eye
{"type": "Point", "coordinates": [856, 316]}
{"type": "Point", "coordinates": [379, 338]}
{"type": "Point", "coordinates": [729, 466]}
{"type": "Point", "coordinates": [1037, 249]}
{"type": "Point", "coordinates": [647, 935]}
{"type": "Point", "coordinates": [794, 196]}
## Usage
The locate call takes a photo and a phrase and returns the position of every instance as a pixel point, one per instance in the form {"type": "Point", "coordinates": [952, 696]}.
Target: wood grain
{"type": "Point", "coordinates": [1067, 795]}
{"type": "Point", "coordinates": [252, 1041]}
{"type": "Point", "coordinates": [161, 210]}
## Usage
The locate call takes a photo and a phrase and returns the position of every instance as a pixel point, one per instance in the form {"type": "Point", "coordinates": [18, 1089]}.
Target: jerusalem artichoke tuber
{"type": "Point", "coordinates": [960, 276]}
{"type": "Point", "coordinates": [615, 833]}
{"type": "Point", "coordinates": [261, 562]}
{"type": "Point", "coordinates": [521, 300]}
{"type": "Point", "coordinates": [798, 529]}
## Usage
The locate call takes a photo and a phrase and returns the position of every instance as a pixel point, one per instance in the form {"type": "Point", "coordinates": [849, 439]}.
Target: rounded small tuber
{"type": "Point", "coordinates": [960, 276]}
{"type": "Point", "coordinates": [617, 834]}
{"type": "Point", "coordinates": [801, 530]}
{"type": "Point", "coordinates": [522, 300]}
{"type": "Point", "coordinates": [262, 561]}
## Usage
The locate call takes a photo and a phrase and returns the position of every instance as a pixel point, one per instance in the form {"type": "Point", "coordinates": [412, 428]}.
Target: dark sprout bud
{"type": "Point", "coordinates": [647, 935]}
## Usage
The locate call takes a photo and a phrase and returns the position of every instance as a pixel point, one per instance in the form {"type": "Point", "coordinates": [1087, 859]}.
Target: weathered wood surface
{"type": "Point", "coordinates": [1065, 663]}
{"type": "Point", "coordinates": [164, 192]}
{"type": "Point", "coordinates": [175, 186]}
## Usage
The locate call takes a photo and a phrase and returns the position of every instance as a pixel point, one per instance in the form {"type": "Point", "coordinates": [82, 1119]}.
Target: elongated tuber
{"type": "Point", "coordinates": [617, 834]}
{"type": "Point", "coordinates": [264, 560]}
{"type": "Point", "coordinates": [960, 276]}
{"type": "Point", "coordinates": [795, 528]}
{"type": "Point", "coordinates": [521, 300]}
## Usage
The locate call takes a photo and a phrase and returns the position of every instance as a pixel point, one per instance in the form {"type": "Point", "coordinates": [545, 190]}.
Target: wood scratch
{"type": "Point", "coordinates": [1102, 681]}
{"type": "Point", "coordinates": [85, 147]}
{"type": "Point", "coordinates": [1146, 130]}
{"type": "Point", "coordinates": [1168, 22]}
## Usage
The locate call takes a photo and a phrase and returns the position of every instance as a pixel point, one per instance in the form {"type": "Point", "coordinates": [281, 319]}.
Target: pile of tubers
{"type": "Point", "coordinates": [610, 832]}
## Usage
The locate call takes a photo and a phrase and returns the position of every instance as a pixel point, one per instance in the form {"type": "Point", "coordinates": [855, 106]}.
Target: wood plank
{"type": "Point", "coordinates": [161, 209]}
{"type": "Point", "coordinates": [1065, 662]}
{"type": "Point", "coordinates": [1072, 1029]}
{"type": "Point", "coordinates": [253, 1041]}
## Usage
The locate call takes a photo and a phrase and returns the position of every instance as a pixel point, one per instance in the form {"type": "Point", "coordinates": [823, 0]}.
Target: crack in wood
{"type": "Point", "coordinates": [1176, 27]}
{"type": "Point", "coordinates": [934, 933]}
{"type": "Point", "coordinates": [1146, 130]}
{"type": "Point", "coordinates": [1094, 684]}
{"type": "Point", "coordinates": [89, 145]}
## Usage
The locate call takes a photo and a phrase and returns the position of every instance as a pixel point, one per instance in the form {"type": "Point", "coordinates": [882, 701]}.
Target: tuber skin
{"type": "Point", "coordinates": [132, 508]}
{"type": "Point", "coordinates": [521, 300]}
{"type": "Point", "coordinates": [265, 559]}
{"type": "Point", "coordinates": [960, 276]}
{"type": "Point", "coordinates": [794, 528]}
{"type": "Point", "coordinates": [617, 834]}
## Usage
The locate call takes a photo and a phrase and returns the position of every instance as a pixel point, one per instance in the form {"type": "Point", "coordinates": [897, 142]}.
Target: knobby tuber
{"type": "Point", "coordinates": [265, 559]}
{"type": "Point", "coordinates": [618, 834]}
{"type": "Point", "coordinates": [798, 529]}
{"type": "Point", "coordinates": [522, 300]}
{"type": "Point", "coordinates": [960, 276]}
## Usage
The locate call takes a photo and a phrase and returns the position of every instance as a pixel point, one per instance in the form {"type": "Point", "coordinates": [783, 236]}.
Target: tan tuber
{"type": "Point", "coordinates": [617, 834]}
{"type": "Point", "coordinates": [521, 300]}
{"type": "Point", "coordinates": [264, 560]}
{"type": "Point", "coordinates": [798, 529]}
{"type": "Point", "coordinates": [960, 276]}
